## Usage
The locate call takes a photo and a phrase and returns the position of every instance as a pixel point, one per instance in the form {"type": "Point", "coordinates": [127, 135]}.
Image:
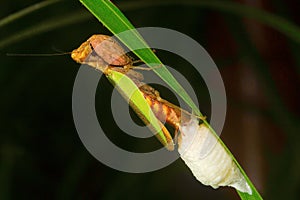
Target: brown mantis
{"type": "Point", "coordinates": [99, 57]}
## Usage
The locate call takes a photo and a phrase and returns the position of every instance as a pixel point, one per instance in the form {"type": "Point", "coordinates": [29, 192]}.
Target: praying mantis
{"type": "Point", "coordinates": [216, 168]}
{"type": "Point", "coordinates": [97, 56]}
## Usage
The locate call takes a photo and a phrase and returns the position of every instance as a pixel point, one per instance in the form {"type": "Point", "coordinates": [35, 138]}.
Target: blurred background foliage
{"type": "Point", "coordinates": [41, 155]}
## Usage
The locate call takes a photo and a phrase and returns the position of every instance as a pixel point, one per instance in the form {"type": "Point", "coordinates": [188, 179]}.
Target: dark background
{"type": "Point", "coordinates": [41, 155]}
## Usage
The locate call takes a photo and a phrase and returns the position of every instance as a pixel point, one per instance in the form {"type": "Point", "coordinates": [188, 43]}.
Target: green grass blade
{"type": "Point", "coordinates": [112, 18]}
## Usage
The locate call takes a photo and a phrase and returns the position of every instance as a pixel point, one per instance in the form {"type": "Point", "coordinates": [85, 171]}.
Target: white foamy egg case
{"type": "Point", "coordinates": [207, 158]}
